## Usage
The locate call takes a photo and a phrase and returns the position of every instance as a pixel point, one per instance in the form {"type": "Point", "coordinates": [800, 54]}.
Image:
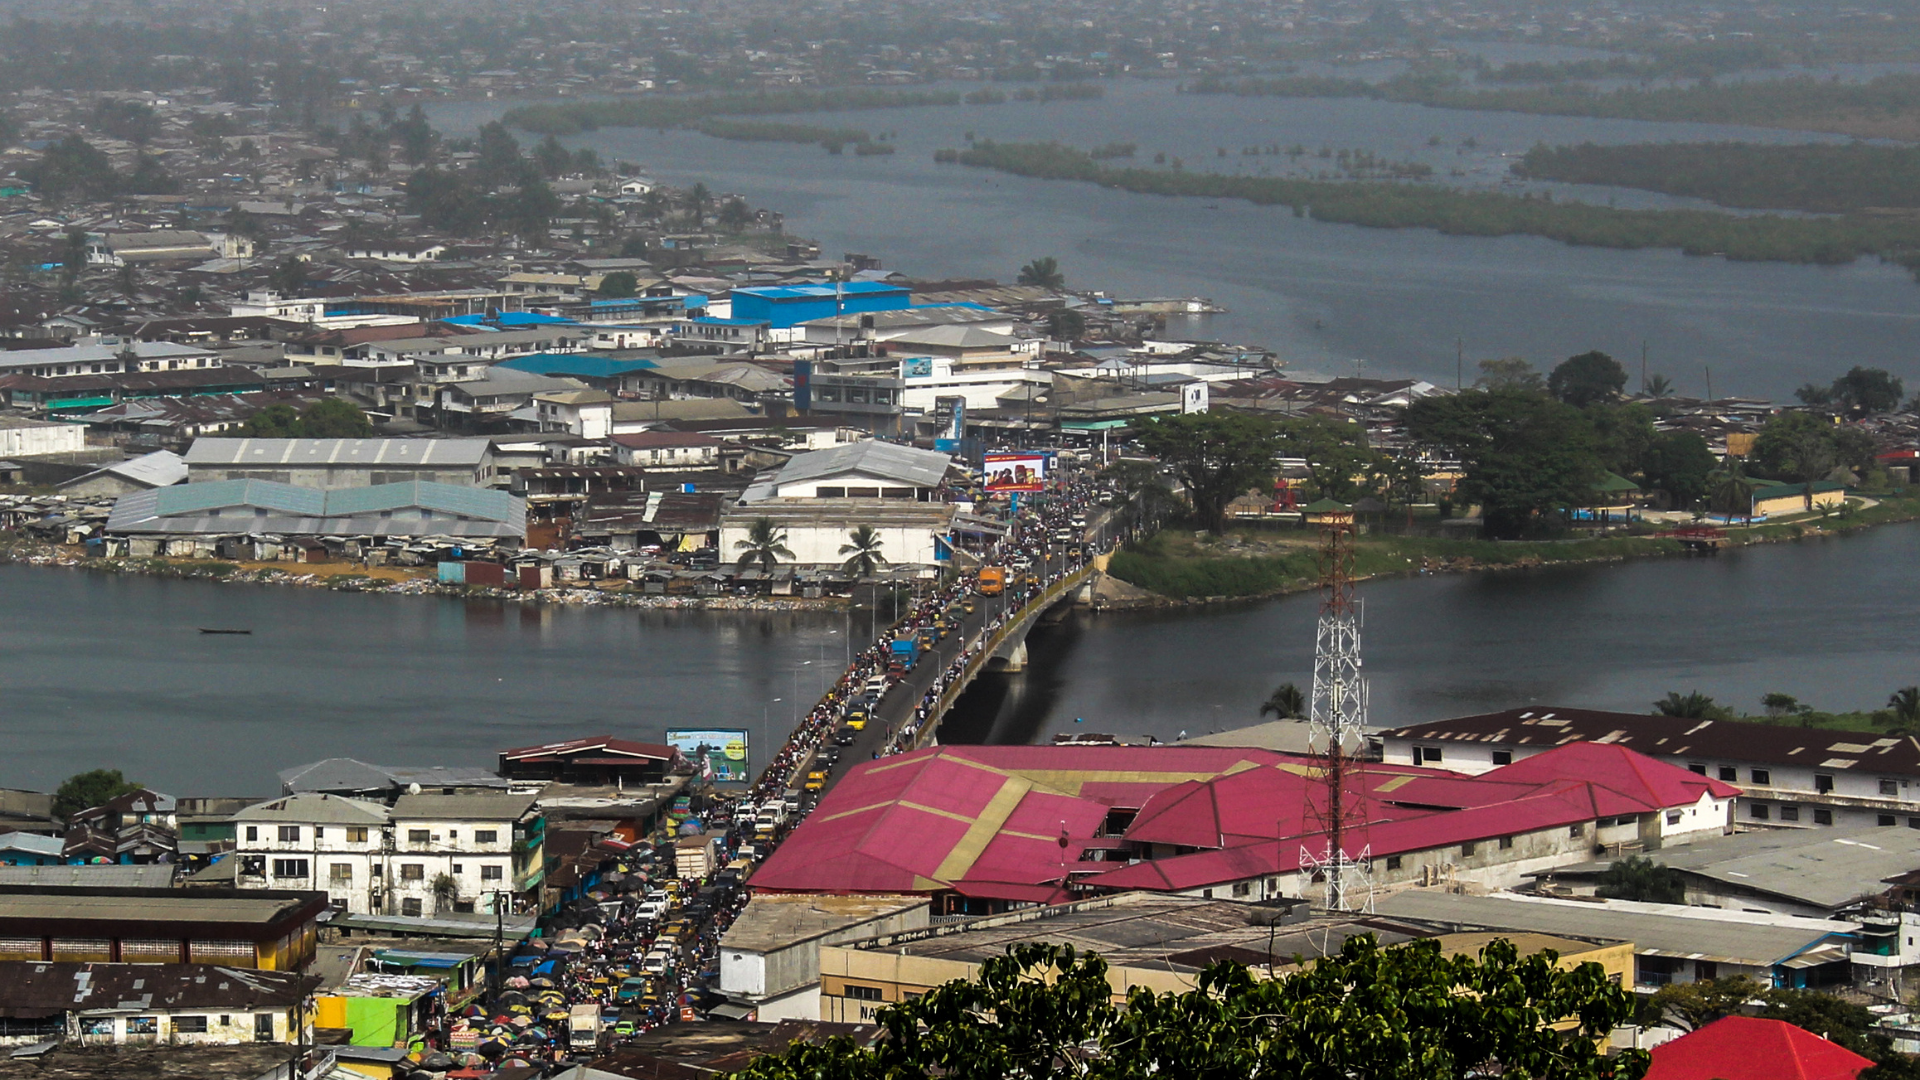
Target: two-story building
{"type": "Point", "coordinates": [315, 841]}
{"type": "Point", "coordinates": [1790, 776]}
{"type": "Point", "coordinates": [463, 852]}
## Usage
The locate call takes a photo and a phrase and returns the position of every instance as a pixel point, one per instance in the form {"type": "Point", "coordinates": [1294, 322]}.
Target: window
{"type": "Point", "coordinates": [1789, 813]}
{"type": "Point", "coordinates": [1425, 754]}
{"type": "Point", "coordinates": [458, 869]}
{"type": "Point", "coordinates": [1578, 828]}
{"type": "Point", "coordinates": [1466, 850]}
{"type": "Point", "coordinates": [1241, 888]}
{"type": "Point", "coordinates": [1729, 774]}
{"type": "Point", "coordinates": [1822, 783]}
{"type": "Point", "coordinates": [1673, 817]}
{"type": "Point", "coordinates": [1503, 757]}
{"type": "Point", "coordinates": [143, 1025]}
{"type": "Point", "coordinates": [1886, 820]}
{"type": "Point", "coordinates": [1822, 817]}
{"type": "Point", "coordinates": [253, 832]}
{"type": "Point", "coordinates": [486, 836]}
{"type": "Point", "coordinates": [452, 834]}
{"type": "Point", "coordinates": [290, 868]}
{"type": "Point", "coordinates": [863, 493]}
{"type": "Point", "coordinates": [319, 833]}
{"type": "Point", "coordinates": [413, 871]}
{"type": "Point", "coordinates": [289, 834]}
{"type": "Point", "coordinates": [374, 870]}
{"type": "Point", "coordinates": [1698, 767]}
{"type": "Point", "coordinates": [1889, 787]}
{"type": "Point", "coordinates": [419, 836]}
{"type": "Point", "coordinates": [340, 872]}
{"type": "Point", "coordinates": [1762, 776]}
{"type": "Point", "coordinates": [491, 873]}
{"type": "Point", "coordinates": [864, 993]}
{"type": "Point", "coordinates": [410, 907]}
{"type": "Point", "coordinates": [1758, 812]}
{"type": "Point", "coordinates": [1506, 843]}
{"type": "Point", "coordinates": [356, 834]}
{"type": "Point", "coordinates": [830, 492]}
{"type": "Point", "coordinates": [1393, 862]}
{"type": "Point", "coordinates": [96, 1025]}
{"type": "Point", "coordinates": [190, 1025]}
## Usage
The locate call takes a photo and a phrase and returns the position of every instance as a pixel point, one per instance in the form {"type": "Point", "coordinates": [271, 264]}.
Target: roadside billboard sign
{"type": "Point", "coordinates": [1023, 471]}
{"type": "Point", "coordinates": [723, 751]}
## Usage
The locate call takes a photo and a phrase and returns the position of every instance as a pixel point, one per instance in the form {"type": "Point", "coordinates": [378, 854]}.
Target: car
{"type": "Point", "coordinates": [631, 989]}
{"type": "Point", "coordinates": [1079, 522]}
{"type": "Point", "coordinates": [829, 755]}
{"type": "Point", "coordinates": [857, 721]}
{"type": "Point", "coordinates": [816, 780]}
{"type": "Point", "coordinates": [845, 737]}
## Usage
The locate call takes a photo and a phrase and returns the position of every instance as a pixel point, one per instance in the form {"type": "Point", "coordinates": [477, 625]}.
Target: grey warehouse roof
{"type": "Point", "coordinates": [1696, 933]}
{"type": "Point", "coordinates": [349, 775]}
{"type": "Point", "coordinates": [904, 464]}
{"type": "Point", "coordinates": [317, 809]}
{"type": "Point", "coordinates": [270, 508]}
{"type": "Point", "coordinates": [471, 806]}
{"type": "Point", "coordinates": [386, 453]}
{"type": "Point", "coordinates": [1826, 868]}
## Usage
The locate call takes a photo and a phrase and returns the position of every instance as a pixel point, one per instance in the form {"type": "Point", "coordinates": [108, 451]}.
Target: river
{"type": "Point", "coordinates": [1339, 299]}
{"type": "Point", "coordinates": [106, 670]}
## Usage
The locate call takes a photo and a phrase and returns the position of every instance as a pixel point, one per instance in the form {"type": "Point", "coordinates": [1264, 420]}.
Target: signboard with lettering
{"type": "Point", "coordinates": [721, 753]}
{"type": "Point", "coordinates": [1016, 472]}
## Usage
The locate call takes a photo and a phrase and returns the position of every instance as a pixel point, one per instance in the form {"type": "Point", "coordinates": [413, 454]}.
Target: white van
{"type": "Point", "coordinates": [656, 962]}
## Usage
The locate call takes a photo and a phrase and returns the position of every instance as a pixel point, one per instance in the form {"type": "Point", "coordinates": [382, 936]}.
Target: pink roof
{"type": "Point", "coordinates": [987, 821]}
{"type": "Point", "coordinates": [1749, 1048]}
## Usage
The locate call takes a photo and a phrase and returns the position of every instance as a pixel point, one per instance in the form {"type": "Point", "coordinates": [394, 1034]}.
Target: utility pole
{"type": "Point", "coordinates": [1709, 382]}
{"type": "Point", "coordinates": [1643, 367]}
{"type": "Point", "coordinates": [1459, 362]}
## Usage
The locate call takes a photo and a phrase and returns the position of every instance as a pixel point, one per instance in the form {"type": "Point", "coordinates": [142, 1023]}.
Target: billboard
{"type": "Point", "coordinates": [950, 416]}
{"type": "Point", "coordinates": [721, 750]}
{"type": "Point", "coordinates": [1025, 471]}
{"type": "Point", "coordinates": [1193, 397]}
{"type": "Point", "coordinates": [916, 367]}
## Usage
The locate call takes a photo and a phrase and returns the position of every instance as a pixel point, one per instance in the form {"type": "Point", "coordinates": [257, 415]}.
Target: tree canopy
{"type": "Point", "coordinates": [1409, 1012]}
{"type": "Point", "coordinates": [84, 791]}
{"type": "Point", "coordinates": [1638, 878]}
{"type": "Point", "coordinates": [1587, 378]}
{"type": "Point", "coordinates": [1218, 455]}
{"type": "Point", "coordinates": [1524, 455]}
{"type": "Point", "coordinates": [1337, 455]}
{"type": "Point", "coordinates": [1044, 272]}
{"type": "Point", "coordinates": [1511, 373]}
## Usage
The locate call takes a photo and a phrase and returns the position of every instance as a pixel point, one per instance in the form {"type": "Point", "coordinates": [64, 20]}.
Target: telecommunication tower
{"type": "Point", "coordinates": [1338, 715]}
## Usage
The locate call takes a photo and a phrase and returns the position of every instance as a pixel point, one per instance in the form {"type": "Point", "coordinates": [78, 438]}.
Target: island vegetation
{"type": "Point", "coordinates": [1399, 205]}
{"type": "Point", "coordinates": [1887, 106]}
{"type": "Point", "coordinates": [1819, 177]}
{"type": "Point", "coordinates": [574, 117]}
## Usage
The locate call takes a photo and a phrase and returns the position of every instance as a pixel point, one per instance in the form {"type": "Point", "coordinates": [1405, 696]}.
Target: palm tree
{"type": "Point", "coordinates": [1730, 491]}
{"type": "Point", "coordinates": [1044, 272]}
{"type": "Point", "coordinates": [697, 199]}
{"type": "Point", "coordinates": [1287, 703]}
{"type": "Point", "coordinates": [863, 551]}
{"type": "Point", "coordinates": [1691, 706]}
{"type": "Point", "coordinates": [1659, 386]}
{"type": "Point", "coordinates": [765, 544]}
{"type": "Point", "coordinates": [1905, 706]}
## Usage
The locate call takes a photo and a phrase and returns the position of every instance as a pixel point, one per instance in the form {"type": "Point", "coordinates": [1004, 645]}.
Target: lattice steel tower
{"type": "Point", "coordinates": [1338, 714]}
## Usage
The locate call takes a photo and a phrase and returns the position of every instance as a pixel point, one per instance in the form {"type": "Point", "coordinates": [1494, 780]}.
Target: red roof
{"type": "Point", "coordinates": [987, 821]}
{"type": "Point", "coordinates": [1749, 1048]}
{"type": "Point", "coordinates": [607, 750]}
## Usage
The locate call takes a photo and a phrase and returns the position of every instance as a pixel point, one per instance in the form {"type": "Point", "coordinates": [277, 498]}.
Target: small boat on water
{"type": "Point", "coordinates": [211, 630]}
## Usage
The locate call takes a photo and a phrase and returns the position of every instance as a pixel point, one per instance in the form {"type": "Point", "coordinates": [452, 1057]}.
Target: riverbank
{"type": "Point", "coordinates": [395, 581]}
{"type": "Point", "coordinates": [1182, 568]}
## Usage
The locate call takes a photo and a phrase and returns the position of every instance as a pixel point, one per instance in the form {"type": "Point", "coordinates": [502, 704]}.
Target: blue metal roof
{"type": "Point", "coordinates": [509, 318]}
{"type": "Point", "coordinates": [823, 292]}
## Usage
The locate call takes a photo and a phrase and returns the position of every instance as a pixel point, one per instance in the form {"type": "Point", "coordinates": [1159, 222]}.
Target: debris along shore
{"type": "Point", "coordinates": [395, 581]}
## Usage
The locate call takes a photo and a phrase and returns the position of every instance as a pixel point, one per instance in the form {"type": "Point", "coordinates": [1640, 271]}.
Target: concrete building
{"type": "Point", "coordinates": [869, 469]}
{"type": "Point", "coordinates": [341, 463]}
{"type": "Point", "coordinates": [21, 437]}
{"type": "Point", "coordinates": [1790, 776]}
{"type": "Point", "coordinates": [162, 468]}
{"type": "Point", "coordinates": [785, 306]}
{"type": "Point", "coordinates": [911, 533]}
{"type": "Point", "coordinates": [1155, 943]}
{"type": "Point", "coordinates": [272, 930]}
{"type": "Point", "coordinates": [108, 359]}
{"type": "Point", "coordinates": [147, 1004]}
{"type": "Point", "coordinates": [770, 956]}
{"type": "Point", "coordinates": [467, 852]}
{"type": "Point", "coordinates": [318, 842]}
{"type": "Point", "coordinates": [587, 414]}
{"type": "Point", "coordinates": [1671, 944]}
{"type": "Point", "coordinates": [199, 513]}
{"type": "Point", "coordinates": [668, 449]}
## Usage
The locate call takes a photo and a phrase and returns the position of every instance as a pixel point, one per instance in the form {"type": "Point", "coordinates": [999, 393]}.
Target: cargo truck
{"type": "Point", "coordinates": [583, 1027]}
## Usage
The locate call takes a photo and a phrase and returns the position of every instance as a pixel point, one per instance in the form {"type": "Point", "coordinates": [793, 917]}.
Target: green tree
{"type": "Point", "coordinates": [1868, 390]}
{"type": "Point", "coordinates": [1659, 386]}
{"type": "Point", "coordinates": [1679, 463]}
{"type": "Point", "coordinates": [1904, 711]}
{"type": "Point", "coordinates": [1814, 394]}
{"type": "Point", "coordinates": [1730, 490]}
{"type": "Point", "coordinates": [765, 544]}
{"type": "Point", "coordinates": [1217, 455]}
{"type": "Point", "coordinates": [1336, 453]}
{"type": "Point", "coordinates": [1043, 272]}
{"type": "Point", "coordinates": [1524, 455]}
{"type": "Point", "coordinates": [552, 159]}
{"type": "Point", "coordinates": [1511, 373]}
{"type": "Point", "coordinates": [1285, 703]}
{"type": "Point", "coordinates": [618, 285]}
{"type": "Point", "coordinates": [1692, 705]}
{"type": "Point", "coordinates": [1623, 435]}
{"type": "Point", "coordinates": [1066, 324]}
{"type": "Point", "coordinates": [698, 199]}
{"type": "Point", "coordinates": [84, 791]}
{"type": "Point", "coordinates": [1778, 704]}
{"type": "Point", "coordinates": [1587, 378]}
{"type": "Point", "coordinates": [1636, 878]}
{"type": "Point", "coordinates": [1798, 446]}
{"type": "Point", "coordinates": [334, 418]}
{"type": "Point", "coordinates": [289, 276]}
{"type": "Point", "coordinates": [499, 161]}
{"type": "Point", "coordinates": [735, 215]}
{"type": "Point", "coordinates": [1694, 1005]}
{"type": "Point", "coordinates": [416, 136]}
{"type": "Point", "coordinates": [274, 422]}
{"type": "Point", "coordinates": [863, 552]}
{"type": "Point", "coordinates": [73, 255]}
{"type": "Point", "coordinates": [1046, 1012]}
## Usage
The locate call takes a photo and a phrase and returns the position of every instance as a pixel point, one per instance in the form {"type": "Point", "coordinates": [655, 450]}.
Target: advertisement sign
{"type": "Point", "coordinates": [721, 753]}
{"type": "Point", "coordinates": [802, 385]}
{"type": "Point", "coordinates": [1193, 397]}
{"type": "Point", "coordinates": [916, 367]}
{"type": "Point", "coordinates": [950, 416]}
{"type": "Point", "coordinates": [1026, 471]}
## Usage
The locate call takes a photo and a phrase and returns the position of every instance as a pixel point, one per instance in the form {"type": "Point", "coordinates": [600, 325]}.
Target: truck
{"type": "Point", "coordinates": [906, 650]}
{"type": "Point", "coordinates": [993, 580]}
{"type": "Point", "coordinates": [583, 1027]}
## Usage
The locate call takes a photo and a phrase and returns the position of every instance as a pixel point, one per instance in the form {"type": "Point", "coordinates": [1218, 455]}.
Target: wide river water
{"type": "Point", "coordinates": [102, 670]}
{"type": "Point", "coordinates": [1339, 299]}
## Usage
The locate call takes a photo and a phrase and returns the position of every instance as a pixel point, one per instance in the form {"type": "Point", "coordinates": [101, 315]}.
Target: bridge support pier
{"type": "Point", "coordinates": [1013, 657]}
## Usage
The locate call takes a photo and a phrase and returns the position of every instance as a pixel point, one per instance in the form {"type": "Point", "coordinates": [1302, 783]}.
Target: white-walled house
{"type": "Point", "coordinates": [1790, 776]}
{"type": "Point", "coordinates": [460, 852]}
{"type": "Point", "coordinates": [584, 413]}
{"type": "Point", "coordinates": [314, 841]}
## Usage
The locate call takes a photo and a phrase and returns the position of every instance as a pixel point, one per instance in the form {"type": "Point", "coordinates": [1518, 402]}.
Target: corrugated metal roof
{"type": "Point", "coordinates": [316, 808]}
{"type": "Point", "coordinates": [907, 464]}
{"type": "Point", "coordinates": [388, 453]}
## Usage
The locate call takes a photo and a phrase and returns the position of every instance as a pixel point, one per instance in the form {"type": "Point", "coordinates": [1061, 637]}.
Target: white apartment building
{"type": "Point", "coordinates": [313, 841]}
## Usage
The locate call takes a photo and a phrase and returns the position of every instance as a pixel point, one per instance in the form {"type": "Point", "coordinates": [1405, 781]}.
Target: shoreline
{"type": "Point", "coordinates": [1530, 557]}
{"type": "Point", "coordinates": [19, 551]}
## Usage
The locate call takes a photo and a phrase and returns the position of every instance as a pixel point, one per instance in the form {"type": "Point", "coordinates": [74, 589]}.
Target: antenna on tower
{"type": "Point", "coordinates": [1337, 739]}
